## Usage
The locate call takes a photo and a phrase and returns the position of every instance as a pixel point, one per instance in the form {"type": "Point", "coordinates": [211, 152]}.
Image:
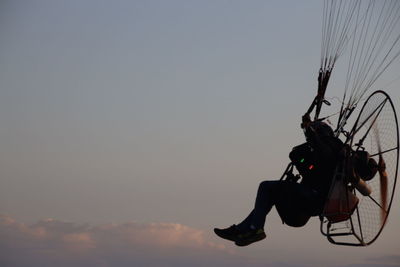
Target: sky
{"type": "Point", "coordinates": [130, 129]}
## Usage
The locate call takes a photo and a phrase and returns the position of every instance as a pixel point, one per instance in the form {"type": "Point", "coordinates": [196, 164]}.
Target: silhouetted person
{"type": "Point", "coordinates": [295, 202]}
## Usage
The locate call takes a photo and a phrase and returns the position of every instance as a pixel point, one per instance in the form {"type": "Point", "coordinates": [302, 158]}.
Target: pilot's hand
{"type": "Point", "coordinates": [305, 121]}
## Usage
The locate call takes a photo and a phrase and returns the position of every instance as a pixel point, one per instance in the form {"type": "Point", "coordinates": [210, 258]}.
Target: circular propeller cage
{"type": "Point", "coordinates": [375, 131]}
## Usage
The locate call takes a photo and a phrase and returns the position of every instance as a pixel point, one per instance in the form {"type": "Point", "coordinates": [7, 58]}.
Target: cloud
{"type": "Point", "coordinates": [56, 243]}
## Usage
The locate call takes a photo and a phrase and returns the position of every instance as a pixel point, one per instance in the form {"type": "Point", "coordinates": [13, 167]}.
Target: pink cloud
{"type": "Point", "coordinates": [50, 243]}
{"type": "Point", "coordinates": [79, 241]}
{"type": "Point", "coordinates": [56, 243]}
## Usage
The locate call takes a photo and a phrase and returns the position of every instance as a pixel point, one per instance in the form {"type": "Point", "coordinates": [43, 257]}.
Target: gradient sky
{"type": "Point", "coordinates": [165, 115]}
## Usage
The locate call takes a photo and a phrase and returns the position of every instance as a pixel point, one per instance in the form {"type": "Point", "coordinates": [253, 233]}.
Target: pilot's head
{"type": "Point", "coordinates": [320, 128]}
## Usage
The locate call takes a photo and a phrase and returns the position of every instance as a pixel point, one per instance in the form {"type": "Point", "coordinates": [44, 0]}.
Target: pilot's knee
{"type": "Point", "coordinates": [264, 185]}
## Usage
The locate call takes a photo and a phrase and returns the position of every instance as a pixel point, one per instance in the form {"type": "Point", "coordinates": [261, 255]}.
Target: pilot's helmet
{"type": "Point", "coordinates": [320, 128]}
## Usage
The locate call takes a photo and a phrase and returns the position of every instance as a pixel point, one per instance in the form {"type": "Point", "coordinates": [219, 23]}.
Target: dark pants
{"type": "Point", "coordinates": [293, 196]}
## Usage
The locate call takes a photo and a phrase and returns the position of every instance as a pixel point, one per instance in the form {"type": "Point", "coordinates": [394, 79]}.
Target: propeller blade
{"type": "Point", "coordinates": [383, 177]}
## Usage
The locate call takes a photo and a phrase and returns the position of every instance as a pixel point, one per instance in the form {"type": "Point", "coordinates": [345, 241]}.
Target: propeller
{"type": "Point", "coordinates": [383, 177]}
